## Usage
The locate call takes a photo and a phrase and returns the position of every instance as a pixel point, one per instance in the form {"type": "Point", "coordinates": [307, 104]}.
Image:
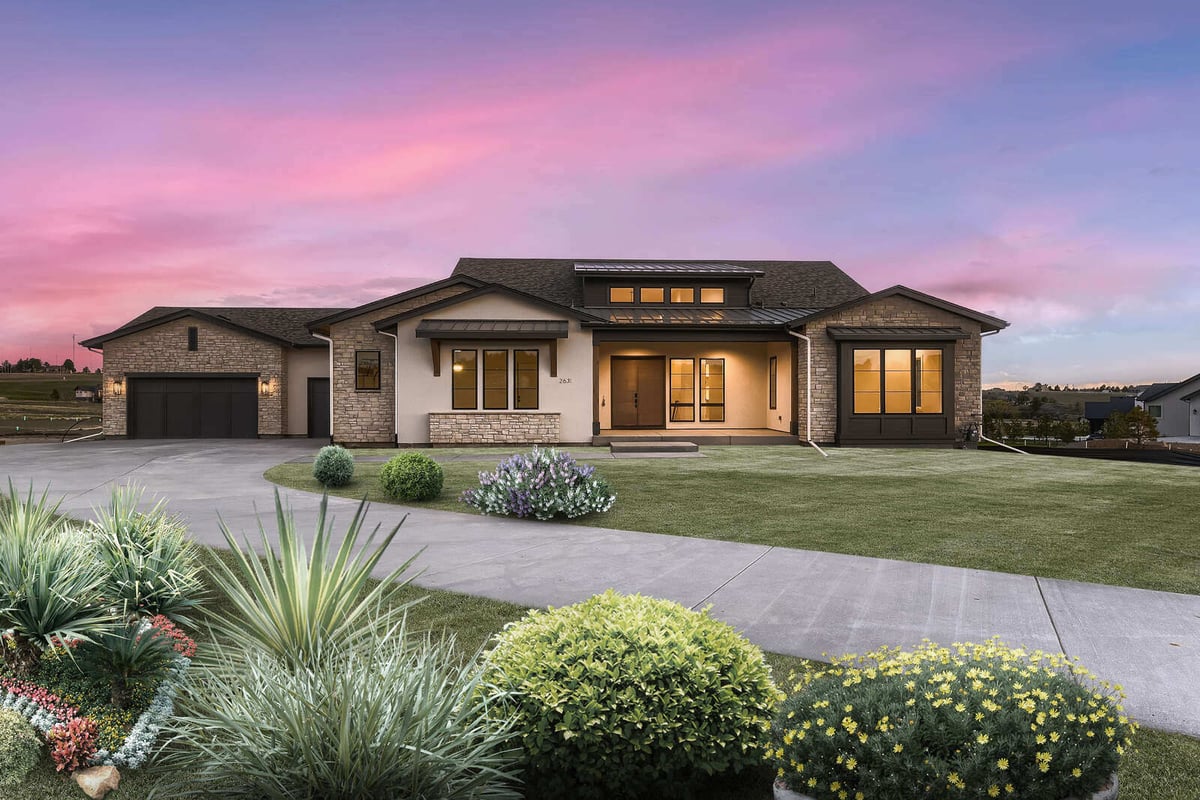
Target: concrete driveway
{"type": "Point", "coordinates": [790, 601]}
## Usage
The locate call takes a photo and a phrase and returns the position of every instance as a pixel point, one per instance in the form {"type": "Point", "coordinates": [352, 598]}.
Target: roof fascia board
{"type": "Point", "coordinates": [912, 294]}
{"type": "Point", "coordinates": [391, 300]}
{"type": "Point", "coordinates": [98, 341]}
{"type": "Point", "coordinates": [1167, 390]}
{"type": "Point", "coordinates": [481, 291]}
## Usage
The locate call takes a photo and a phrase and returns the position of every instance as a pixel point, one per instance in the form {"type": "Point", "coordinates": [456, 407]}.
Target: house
{"type": "Point", "coordinates": [1174, 406]}
{"type": "Point", "coordinates": [1096, 412]}
{"type": "Point", "coordinates": [564, 351]}
{"type": "Point", "coordinates": [89, 393]}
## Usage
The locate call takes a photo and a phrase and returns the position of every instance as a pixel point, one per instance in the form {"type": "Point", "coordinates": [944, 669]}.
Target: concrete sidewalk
{"type": "Point", "coordinates": [798, 602]}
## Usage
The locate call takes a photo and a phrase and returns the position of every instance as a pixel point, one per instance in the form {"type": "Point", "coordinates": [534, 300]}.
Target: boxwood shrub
{"type": "Point", "coordinates": [629, 696]}
{"type": "Point", "coordinates": [333, 466]}
{"type": "Point", "coordinates": [412, 476]}
{"type": "Point", "coordinates": [20, 748]}
{"type": "Point", "coordinates": [967, 721]}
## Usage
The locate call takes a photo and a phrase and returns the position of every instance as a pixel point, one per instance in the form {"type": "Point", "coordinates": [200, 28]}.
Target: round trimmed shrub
{"type": "Point", "coordinates": [629, 696]}
{"type": "Point", "coordinates": [971, 720]}
{"type": "Point", "coordinates": [333, 466]}
{"type": "Point", "coordinates": [20, 748]}
{"type": "Point", "coordinates": [412, 476]}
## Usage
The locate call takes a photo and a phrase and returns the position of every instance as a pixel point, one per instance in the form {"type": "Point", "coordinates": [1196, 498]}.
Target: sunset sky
{"type": "Point", "coordinates": [1036, 161]}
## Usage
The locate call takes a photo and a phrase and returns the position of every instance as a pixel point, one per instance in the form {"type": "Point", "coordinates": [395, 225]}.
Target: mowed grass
{"type": "Point", "coordinates": [1113, 522]}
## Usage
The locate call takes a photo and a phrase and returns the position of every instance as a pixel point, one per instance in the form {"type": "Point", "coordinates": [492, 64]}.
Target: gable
{"type": "Point", "coordinates": [901, 306]}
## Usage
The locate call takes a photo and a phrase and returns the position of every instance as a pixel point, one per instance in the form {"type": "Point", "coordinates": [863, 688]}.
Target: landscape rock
{"type": "Point", "coordinates": [97, 781]}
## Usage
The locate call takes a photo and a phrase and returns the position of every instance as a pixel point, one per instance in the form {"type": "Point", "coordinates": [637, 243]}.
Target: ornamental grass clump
{"type": "Point", "coordinates": [629, 696]}
{"type": "Point", "coordinates": [334, 466]}
{"type": "Point", "coordinates": [412, 477]}
{"type": "Point", "coordinates": [543, 484]}
{"type": "Point", "coordinates": [966, 721]}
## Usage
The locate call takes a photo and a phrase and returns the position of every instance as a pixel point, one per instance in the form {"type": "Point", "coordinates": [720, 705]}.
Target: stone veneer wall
{"type": "Point", "coordinates": [369, 417]}
{"type": "Point", "coordinates": [894, 310]}
{"type": "Point", "coordinates": [511, 427]}
{"type": "Point", "coordinates": [164, 349]}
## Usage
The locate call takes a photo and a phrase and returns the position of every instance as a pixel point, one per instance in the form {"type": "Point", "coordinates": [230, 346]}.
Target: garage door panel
{"type": "Point", "coordinates": [244, 414]}
{"type": "Point", "coordinates": [193, 407]}
{"type": "Point", "coordinates": [215, 422]}
{"type": "Point", "coordinates": [182, 407]}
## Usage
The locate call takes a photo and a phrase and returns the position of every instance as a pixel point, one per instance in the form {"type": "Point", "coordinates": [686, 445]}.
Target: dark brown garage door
{"type": "Point", "coordinates": [200, 407]}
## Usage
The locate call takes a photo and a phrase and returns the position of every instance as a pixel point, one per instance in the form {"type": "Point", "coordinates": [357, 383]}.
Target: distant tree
{"type": "Point", "coordinates": [1069, 429]}
{"type": "Point", "coordinates": [68, 365]}
{"type": "Point", "coordinates": [1142, 427]}
{"type": "Point", "coordinates": [1116, 427]}
{"type": "Point", "coordinates": [6, 366]}
{"type": "Point", "coordinates": [86, 370]}
{"type": "Point", "coordinates": [1044, 427]}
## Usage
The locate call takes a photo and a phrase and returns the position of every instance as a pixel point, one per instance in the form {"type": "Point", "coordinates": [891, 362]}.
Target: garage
{"type": "Point", "coordinates": [193, 407]}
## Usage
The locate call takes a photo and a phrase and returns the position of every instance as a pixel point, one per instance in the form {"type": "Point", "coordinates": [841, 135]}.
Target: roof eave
{"type": "Point", "coordinates": [183, 313]}
{"type": "Point", "coordinates": [987, 322]}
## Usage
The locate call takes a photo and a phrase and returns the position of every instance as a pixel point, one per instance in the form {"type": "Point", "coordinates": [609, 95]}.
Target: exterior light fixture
{"type": "Point", "coordinates": [264, 388]}
{"type": "Point", "coordinates": [118, 387]}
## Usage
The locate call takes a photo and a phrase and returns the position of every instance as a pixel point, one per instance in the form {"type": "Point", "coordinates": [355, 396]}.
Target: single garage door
{"type": "Point", "coordinates": [192, 407]}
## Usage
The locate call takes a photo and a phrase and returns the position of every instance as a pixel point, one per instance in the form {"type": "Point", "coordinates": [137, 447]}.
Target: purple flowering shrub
{"type": "Point", "coordinates": [542, 484]}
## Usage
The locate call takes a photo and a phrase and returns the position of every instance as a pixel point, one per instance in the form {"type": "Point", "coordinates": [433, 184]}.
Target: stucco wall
{"type": "Point", "coordinates": [302, 364]}
{"type": "Point", "coordinates": [163, 348]}
{"type": "Point", "coordinates": [781, 418]}
{"type": "Point", "coordinates": [746, 396]}
{"type": "Point", "coordinates": [368, 417]}
{"type": "Point", "coordinates": [896, 310]}
{"type": "Point", "coordinates": [569, 394]}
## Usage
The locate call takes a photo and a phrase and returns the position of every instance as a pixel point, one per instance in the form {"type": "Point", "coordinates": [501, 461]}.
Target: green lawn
{"type": "Point", "coordinates": [1106, 522]}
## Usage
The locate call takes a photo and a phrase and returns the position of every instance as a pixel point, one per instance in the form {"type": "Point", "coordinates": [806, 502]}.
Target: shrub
{"type": "Point", "coordinates": [333, 466]}
{"type": "Point", "coordinates": [412, 476]}
{"type": "Point", "coordinates": [972, 720]}
{"type": "Point", "coordinates": [630, 696]}
{"type": "Point", "coordinates": [72, 743]}
{"type": "Point", "coordinates": [380, 716]}
{"type": "Point", "coordinates": [20, 749]}
{"type": "Point", "coordinates": [291, 603]}
{"type": "Point", "coordinates": [152, 566]}
{"type": "Point", "coordinates": [132, 652]}
{"type": "Point", "coordinates": [543, 484]}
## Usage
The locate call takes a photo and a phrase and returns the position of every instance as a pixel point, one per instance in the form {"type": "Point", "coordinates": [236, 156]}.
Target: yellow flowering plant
{"type": "Point", "coordinates": [965, 721]}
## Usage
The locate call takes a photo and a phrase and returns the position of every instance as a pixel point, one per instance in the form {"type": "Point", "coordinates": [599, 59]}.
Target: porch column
{"type": "Point", "coordinates": [595, 390]}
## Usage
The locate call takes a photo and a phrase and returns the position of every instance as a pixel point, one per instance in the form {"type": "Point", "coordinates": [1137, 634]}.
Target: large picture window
{"type": "Point", "coordinates": [366, 370]}
{"type": "Point", "coordinates": [712, 390]}
{"type": "Point", "coordinates": [525, 379]}
{"type": "Point", "coordinates": [683, 390]}
{"type": "Point", "coordinates": [898, 381]}
{"type": "Point", "coordinates": [495, 379]}
{"type": "Point", "coordinates": [464, 379]}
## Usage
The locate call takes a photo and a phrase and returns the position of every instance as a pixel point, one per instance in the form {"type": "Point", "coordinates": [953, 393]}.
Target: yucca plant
{"type": "Point", "coordinates": [128, 652]}
{"type": "Point", "coordinates": [291, 602]}
{"type": "Point", "coordinates": [380, 715]}
{"type": "Point", "coordinates": [50, 580]}
{"type": "Point", "coordinates": [152, 565]}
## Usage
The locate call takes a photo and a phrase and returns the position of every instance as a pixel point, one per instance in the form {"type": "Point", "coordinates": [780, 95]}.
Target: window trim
{"type": "Point", "coordinates": [704, 289]}
{"type": "Point", "coordinates": [613, 302]}
{"type": "Point", "coordinates": [537, 376]}
{"type": "Point", "coordinates": [671, 389]}
{"type": "Point", "coordinates": [358, 387]}
{"type": "Point", "coordinates": [947, 356]}
{"type": "Point", "coordinates": [700, 386]}
{"type": "Point", "coordinates": [1150, 409]}
{"type": "Point", "coordinates": [504, 375]}
{"type": "Point", "coordinates": [193, 338]}
{"type": "Point", "coordinates": [674, 289]}
{"type": "Point", "coordinates": [773, 383]}
{"type": "Point", "coordinates": [642, 299]}
{"type": "Point", "coordinates": [475, 380]}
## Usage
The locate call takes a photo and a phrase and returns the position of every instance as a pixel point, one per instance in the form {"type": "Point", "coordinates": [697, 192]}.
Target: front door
{"type": "Point", "coordinates": [639, 392]}
{"type": "Point", "coordinates": [318, 408]}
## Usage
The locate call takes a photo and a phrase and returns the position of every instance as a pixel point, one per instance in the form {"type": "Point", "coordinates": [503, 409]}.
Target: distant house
{"type": "Point", "coordinates": [1174, 406]}
{"type": "Point", "coordinates": [89, 393]}
{"type": "Point", "coordinates": [1096, 412]}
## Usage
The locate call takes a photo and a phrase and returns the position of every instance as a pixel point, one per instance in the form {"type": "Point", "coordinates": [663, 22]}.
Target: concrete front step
{"type": "Point", "coordinates": [653, 447]}
{"type": "Point", "coordinates": [723, 439]}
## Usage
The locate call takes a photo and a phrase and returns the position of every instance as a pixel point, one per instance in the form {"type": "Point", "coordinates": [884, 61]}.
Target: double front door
{"type": "Point", "coordinates": [639, 392]}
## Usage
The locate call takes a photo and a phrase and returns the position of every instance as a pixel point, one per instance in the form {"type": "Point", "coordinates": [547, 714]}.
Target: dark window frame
{"type": "Point", "coordinates": [632, 295]}
{"type": "Point", "coordinates": [643, 301]}
{"type": "Point", "coordinates": [674, 289]}
{"type": "Point", "coordinates": [488, 372]}
{"type": "Point", "coordinates": [915, 390]}
{"type": "Point", "coordinates": [773, 383]}
{"type": "Point", "coordinates": [675, 408]}
{"type": "Point", "coordinates": [701, 387]}
{"type": "Point", "coordinates": [704, 289]}
{"type": "Point", "coordinates": [455, 389]}
{"type": "Point", "coordinates": [537, 379]}
{"type": "Point", "coordinates": [358, 376]}
{"type": "Point", "coordinates": [193, 338]}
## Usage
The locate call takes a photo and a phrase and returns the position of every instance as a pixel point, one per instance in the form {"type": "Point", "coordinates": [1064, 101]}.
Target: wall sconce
{"type": "Point", "coordinates": [265, 387]}
{"type": "Point", "coordinates": [118, 387]}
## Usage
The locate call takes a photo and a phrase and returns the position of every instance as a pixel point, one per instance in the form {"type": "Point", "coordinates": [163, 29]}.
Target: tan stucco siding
{"type": "Point", "coordinates": [420, 393]}
{"type": "Point", "coordinates": [312, 362]}
{"type": "Point", "coordinates": [781, 417]}
{"type": "Point", "coordinates": [897, 311]}
{"type": "Point", "coordinates": [163, 349]}
{"type": "Point", "coordinates": [368, 417]}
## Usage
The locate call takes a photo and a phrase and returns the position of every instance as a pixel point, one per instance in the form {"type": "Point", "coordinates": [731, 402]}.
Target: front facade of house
{"type": "Point", "coordinates": [1174, 406]}
{"type": "Point", "coordinates": [509, 351]}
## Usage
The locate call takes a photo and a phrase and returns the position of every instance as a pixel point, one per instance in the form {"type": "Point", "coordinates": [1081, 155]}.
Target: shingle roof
{"type": "Point", "coordinates": [1157, 390]}
{"type": "Point", "coordinates": [287, 325]}
{"type": "Point", "coordinates": [790, 284]}
{"type": "Point", "coordinates": [641, 315]}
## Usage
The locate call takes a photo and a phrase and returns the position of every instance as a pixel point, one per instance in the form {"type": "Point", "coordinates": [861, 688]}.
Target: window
{"type": "Point", "coordinates": [193, 338]}
{"type": "Point", "coordinates": [1155, 411]}
{"type": "Point", "coordinates": [773, 381]}
{"type": "Point", "coordinates": [366, 370]}
{"type": "Point", "coordinates": [712, 390]}
{"type": "Point", "coordinates": [684, 295]}
{"type": "Point", "coordinates": [495, 379]}
{"type": "Point", "coordinates": [650, 295]}
{"type": "Point", "coordinates": [888, 381]}
{"type": "Point", "coordinates": [683, 390]}
{"type": "Point", "coordinates": [463, 379]}
{"type": "Point", "coordinates": [712, 295]}
{"type": "Point", "coordinates": [525, 379]}
{"type": "Point", "coordinates": [620, 294]}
